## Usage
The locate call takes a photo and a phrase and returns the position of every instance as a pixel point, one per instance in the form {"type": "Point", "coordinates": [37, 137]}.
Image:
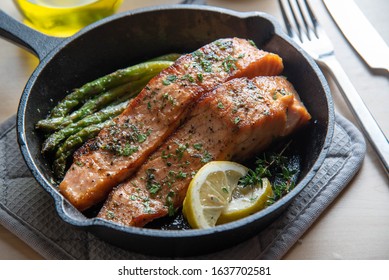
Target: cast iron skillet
{"type": "Point", "coordinates": [131, 37]}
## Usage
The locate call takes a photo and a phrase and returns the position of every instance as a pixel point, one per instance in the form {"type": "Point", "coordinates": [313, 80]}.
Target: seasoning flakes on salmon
{"type": "Point", "coordinates": [237, 120]}
{"type": "Point", "coordinates": [118, 151]}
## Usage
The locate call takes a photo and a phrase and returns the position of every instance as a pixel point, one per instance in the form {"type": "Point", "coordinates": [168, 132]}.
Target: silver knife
{"type": "Point", "coordinates": [359, 32]}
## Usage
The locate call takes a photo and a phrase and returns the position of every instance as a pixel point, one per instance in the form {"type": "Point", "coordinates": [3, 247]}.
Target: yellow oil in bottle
{"type": "Point", "coordinates": [63, 18]}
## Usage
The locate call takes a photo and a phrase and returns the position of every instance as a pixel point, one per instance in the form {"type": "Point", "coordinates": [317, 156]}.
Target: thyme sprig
{"type": "Point", "coordinates": [275, 166]}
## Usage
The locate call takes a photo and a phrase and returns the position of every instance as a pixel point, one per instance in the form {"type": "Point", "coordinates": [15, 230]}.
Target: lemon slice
{"type": "Point", "coordinates": [210, 191]}
{"type": "Point", "coordinates": [246, 201]}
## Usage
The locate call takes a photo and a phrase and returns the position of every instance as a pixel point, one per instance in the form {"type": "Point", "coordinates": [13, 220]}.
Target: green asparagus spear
{"type": "Point", "coordinates": [66, 150]}
{"type": "Point", "coordinates": [119, 77]}
{"type": "Point", "coordinates": [168, 57]}
{"type": "Point", "coordinates": [93, 105]}
{"type": "Point", "coordinates": [106, 113]}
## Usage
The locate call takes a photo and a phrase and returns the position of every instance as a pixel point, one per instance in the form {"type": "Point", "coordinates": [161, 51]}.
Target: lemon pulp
{"type": "Point", "coordinates": [210, 191]}
{"type": "Point", "coordinates": [245, 201]}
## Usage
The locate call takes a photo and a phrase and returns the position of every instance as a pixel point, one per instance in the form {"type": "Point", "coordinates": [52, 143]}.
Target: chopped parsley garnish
{"type": "Point", "coordinates": [169, 203]}
{"type": "Point", "coordinates": [169, 79]}
{"type": "Point", "coordinates": [197, 53]}
{"type": "Point", "coordinates": [110, 215]}
{"type": "Point", "coordinates": [207, 157]}
{"type": "Point", "coordinates": [127, 150]}
{"type": "Point", "coordinates": [224, 44]}
{"type": "Point", "coordinates": [188, 78]}
{"type": "Point", "coordinates": [142, 137]}
{"type": "Point", "coordinates": [200, 77]}
{"type": "Point", "coordinates": [125, 144]}
{"type": "Point", "coordinates": [252, 43]}
{"type": "Point", "coordinates": [151, 184]}
{"type": "Point", "coordinates": [198, 146]}
{"type": "Point", "coordinates": [229, 64]}
{"type": "Point", "coordinates": [181, 175]}
{"type": "Point", "coordinates": [282, 91]}
{"type": "Point", "coordinates": [206, 65]}
{"type": "Point", "coordinates": [241, 55]}
{"type": "Point", "coordinates": [180, 150]}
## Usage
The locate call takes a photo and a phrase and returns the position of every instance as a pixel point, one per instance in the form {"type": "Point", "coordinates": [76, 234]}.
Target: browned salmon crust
{"type": "Point", "coordinates": [158, 110]}
{"type": "Point", "coordinates": [235, 121]}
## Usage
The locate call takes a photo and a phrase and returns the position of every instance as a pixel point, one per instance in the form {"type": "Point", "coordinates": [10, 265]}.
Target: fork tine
{"type": "Point", "coordinates": [304, 19]}
{"type": "Point", "coordinates": [296, 20]}
{"type": "Point", "coordinates": [316, 30]}
{"type": "Point", "coordinates": [308, 31]}
{"type": "Point", "coordinates": [285, 17]}
{"type": "Point", "coordinates": [298, 23]}
{"type": "Point", "coordinates": [312, 16]}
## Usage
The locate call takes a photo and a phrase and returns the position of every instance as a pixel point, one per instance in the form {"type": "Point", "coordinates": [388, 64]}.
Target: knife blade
{"type": "Point", "coordinates": [359, 32]}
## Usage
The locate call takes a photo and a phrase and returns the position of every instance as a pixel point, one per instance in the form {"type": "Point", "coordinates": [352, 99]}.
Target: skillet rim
{"type": "Point", "coordinates": [93, 223]}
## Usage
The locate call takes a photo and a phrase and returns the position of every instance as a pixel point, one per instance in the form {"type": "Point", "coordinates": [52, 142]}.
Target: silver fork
{"type": "Point", "coordinates": [303, 27]}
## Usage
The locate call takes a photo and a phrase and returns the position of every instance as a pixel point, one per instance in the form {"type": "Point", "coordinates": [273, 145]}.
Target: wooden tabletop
{"type": "Point", "coordinates": [356, 225]}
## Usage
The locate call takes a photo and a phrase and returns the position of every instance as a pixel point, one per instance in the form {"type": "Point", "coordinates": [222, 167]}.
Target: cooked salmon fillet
{"type": "Point", "coordinates": [234, 122]}
{"type": "Point", "coordinates": [118, 151]}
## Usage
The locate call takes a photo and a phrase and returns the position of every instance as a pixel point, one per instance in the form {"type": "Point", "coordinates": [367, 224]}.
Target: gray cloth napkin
{"type": "Point", "coordinates": [28, 211]}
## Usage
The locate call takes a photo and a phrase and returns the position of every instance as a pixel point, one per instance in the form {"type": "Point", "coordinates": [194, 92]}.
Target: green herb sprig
{"type": "Point", "coordinates": [275, 166]}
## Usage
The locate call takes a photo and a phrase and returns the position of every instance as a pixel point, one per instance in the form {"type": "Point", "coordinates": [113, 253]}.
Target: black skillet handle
{"type": "Point", "coordinates": [19, 34]}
